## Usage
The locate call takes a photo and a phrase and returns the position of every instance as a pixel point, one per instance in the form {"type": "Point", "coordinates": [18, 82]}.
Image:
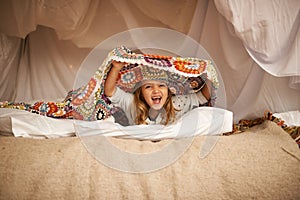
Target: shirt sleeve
{"type": "Point", "coordinates": [201, 98]}
{"type": "Point", "coordinates": [124, 100]}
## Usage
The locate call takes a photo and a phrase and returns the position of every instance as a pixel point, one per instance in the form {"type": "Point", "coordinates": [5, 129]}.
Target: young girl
{"type": "Point", "coordinates": [152, 102]}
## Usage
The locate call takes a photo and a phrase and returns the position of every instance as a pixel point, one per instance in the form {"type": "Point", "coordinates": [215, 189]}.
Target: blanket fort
{"type": "Point", "coordinates": [184, 75]}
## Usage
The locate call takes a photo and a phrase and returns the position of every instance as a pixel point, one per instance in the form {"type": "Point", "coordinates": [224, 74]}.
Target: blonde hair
{"type": "Point", "coordinates": [142, 108]}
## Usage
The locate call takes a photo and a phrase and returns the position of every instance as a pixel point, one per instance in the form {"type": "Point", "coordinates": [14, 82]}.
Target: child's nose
{"type": "Point", "coordinates": [156, 89]}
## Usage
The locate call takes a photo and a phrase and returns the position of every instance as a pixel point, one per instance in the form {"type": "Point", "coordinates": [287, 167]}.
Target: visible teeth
{"type": "Point", "coordinates": [156, 99]}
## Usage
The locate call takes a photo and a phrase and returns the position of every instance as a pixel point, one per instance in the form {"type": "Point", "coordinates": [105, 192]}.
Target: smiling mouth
{"type": "Point", "coordinates": [156, 100]}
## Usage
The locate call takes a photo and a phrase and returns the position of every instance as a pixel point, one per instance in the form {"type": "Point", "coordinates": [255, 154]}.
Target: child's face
{"type": "Point", "coordinates": [155, 93]}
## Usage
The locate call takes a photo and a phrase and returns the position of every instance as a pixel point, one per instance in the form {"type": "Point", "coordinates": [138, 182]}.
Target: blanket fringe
{"type": "Point", "coordinates": [246, 124]}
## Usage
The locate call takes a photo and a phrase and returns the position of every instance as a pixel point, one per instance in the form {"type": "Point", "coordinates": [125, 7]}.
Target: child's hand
{"type": "Point", "coordinates": [110, 82]}
{"type": "Point", "coordinates": [118, 65]}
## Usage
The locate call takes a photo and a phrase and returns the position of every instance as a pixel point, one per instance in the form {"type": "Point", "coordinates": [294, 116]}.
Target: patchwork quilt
{"type": "Point", "coordinates": [184, 75]}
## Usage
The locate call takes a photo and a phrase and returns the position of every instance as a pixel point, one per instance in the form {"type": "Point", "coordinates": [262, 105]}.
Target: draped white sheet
{"type": "Point", "coordinates": [205, 121]}
{"type": "Point", "coordinates": [255, 45]}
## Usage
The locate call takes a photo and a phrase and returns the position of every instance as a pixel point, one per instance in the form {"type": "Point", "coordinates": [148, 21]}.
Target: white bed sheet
{"type": "Point", "coordinates": [291, 118]}
{"type": "Point", "coordinates": [200, 121]}
{"type": "Point", "coordinates": [22, 123]}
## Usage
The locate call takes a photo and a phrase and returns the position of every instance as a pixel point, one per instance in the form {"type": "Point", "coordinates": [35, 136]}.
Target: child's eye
{"type": "Point", "coordinates": [162, 85]}
{"type": "Point", "coordinates": [147, 86]}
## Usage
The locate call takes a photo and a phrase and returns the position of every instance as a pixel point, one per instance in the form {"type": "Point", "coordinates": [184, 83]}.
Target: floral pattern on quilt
{"type": "Point", "coordinates": [185, 75]}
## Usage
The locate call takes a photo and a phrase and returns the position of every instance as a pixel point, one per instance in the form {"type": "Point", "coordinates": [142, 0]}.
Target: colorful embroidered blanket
{"type": "Point", "coordinates": [184, 75]}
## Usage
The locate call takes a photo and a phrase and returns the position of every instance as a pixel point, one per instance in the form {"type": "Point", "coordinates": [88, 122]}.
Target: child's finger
{"type": "Point", "coordinates": [118, 64]}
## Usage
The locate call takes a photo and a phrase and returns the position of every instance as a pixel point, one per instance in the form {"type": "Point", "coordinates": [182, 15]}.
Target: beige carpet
{"type": "Point", "coordinates": [262, 163]}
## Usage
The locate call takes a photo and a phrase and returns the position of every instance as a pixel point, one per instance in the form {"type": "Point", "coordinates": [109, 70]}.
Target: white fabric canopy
{"type": "Point", "coordinates": [269, 31]}
{"type": "Point", "coordinates": [255, 45]}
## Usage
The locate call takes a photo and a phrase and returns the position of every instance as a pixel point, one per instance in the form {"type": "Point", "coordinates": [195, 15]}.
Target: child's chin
{"type": "Point", "coordinates": [156, 106]}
